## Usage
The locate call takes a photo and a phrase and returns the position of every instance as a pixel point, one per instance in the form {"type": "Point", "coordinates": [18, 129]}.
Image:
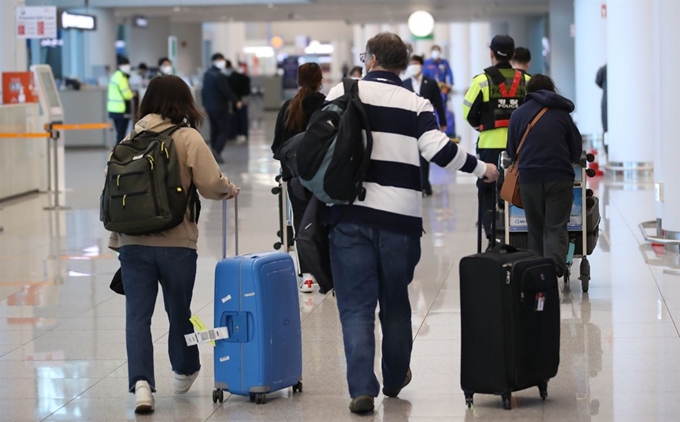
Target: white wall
{"type": "Point", "coordinates": [12, 50]}
{"type": "Point", "coordinates": [189, 43]}
{"type": "Point", "coordinates": [149, 44]}
{"type": "Point", "coordinates": [562, 53]}
{"type": "Point", "coordinates": [322, 31]}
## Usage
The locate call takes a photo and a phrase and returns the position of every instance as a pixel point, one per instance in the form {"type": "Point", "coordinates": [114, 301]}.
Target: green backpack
{"type": "Point", "coordinates": [143, 191]}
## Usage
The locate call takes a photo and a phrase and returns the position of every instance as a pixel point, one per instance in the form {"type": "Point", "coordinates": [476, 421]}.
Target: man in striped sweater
{"type": "Point", "coordinates": [375, 246]}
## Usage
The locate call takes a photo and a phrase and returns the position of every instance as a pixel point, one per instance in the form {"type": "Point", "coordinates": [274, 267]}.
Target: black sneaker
{"type": "Point", "coordinates": [395, 393]}
{"type": "Point", "coordinates": [362, 404]}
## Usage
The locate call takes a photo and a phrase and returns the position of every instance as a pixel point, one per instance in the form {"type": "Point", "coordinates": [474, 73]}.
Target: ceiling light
{"type": "Point", "coordinates": [177, 9]}
{"type": "Point", "coordinates": [421, 23]}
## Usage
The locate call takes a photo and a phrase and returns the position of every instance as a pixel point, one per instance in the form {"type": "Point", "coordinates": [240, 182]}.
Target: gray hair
{"type": "Point", "coordinates": [390, 51]}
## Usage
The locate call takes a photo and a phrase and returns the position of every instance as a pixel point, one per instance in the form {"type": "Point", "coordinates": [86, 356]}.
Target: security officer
{"type": "Point", "coordinates": [120, 96]}
{"type": "Point", "coordinates": [438, 68]}
{"type": "Point", "coordinates": [491, 99]}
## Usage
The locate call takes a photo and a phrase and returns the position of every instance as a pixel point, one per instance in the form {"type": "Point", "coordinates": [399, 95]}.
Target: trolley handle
{"type": "Point", "coordinates": [224, 227]}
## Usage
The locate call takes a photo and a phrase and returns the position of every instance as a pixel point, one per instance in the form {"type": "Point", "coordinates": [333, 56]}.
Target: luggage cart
{"type": "Point", "coordinates": [286, 241]}
{"type": "Point", "coordinates": [583, 225]}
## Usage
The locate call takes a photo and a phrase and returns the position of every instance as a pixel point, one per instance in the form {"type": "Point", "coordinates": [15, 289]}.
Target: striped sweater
{"type": "Point", "coordinates": [404, 127]}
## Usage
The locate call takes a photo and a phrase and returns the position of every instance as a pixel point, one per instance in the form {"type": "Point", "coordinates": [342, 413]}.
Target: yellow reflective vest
{"type": "Point", "coordinates": [476, 104]}
{"type": "Point", "coordinates": [119, 93]}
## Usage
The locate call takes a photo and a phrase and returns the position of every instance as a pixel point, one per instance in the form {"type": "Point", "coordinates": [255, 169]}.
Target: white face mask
{"type": "Point", "coordinates": [125, 68]}
{"type": "Point", "coordinates": [220, 64]}
{"type": "Point", "coordinates": [414, 70]}
{"type": "Point", "coordinates": [167, 69]}
{"type": "Point", "coordinates": [436, 54]}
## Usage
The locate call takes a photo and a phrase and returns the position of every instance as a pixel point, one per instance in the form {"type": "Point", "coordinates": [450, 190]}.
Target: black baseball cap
{"type": "Point", "coordinates": [503, 46]}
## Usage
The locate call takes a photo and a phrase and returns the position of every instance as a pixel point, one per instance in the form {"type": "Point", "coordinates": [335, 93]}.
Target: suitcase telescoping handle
{"type": "Point", "coordinates": [224, 227]}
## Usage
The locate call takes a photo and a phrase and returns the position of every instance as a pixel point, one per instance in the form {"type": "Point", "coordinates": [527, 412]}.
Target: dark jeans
{"type": "Point", "coordinates": [548, 209]}
{"type": "Point", "coordinates": [425, 175]}
{"type": "Point", "coordinates": [120, 124]}
{"type": "Point", "coordinates": [142, 268]}
{"type": "Point", "coordinates": [372, 266]}
{"type": "Point", "coordinates": [487, 191]}
{"type": "Point", "coordinates": [219, 129]}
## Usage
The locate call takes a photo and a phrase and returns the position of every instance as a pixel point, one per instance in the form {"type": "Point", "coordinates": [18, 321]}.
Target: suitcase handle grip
{"type": "Point", "coordinates": [224, 227]}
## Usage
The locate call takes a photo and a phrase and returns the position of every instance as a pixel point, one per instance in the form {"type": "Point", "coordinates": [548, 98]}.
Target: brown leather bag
{"type": "Point", "coordinates": [510, 189]}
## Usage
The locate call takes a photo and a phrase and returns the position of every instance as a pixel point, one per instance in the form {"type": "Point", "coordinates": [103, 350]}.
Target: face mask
{"type": "Point", "coordinates": [125, 68]}
{"type": "Point", "coordinates": [414, 70]}
{"type": "Point", "coordinates": [220, 64]}
{"type": "Point", "coordinates": [320, 87]}
{"type": "Point", "coordinates": [167, 70]}
{"type": "Point", "coordinates": [436, 54]}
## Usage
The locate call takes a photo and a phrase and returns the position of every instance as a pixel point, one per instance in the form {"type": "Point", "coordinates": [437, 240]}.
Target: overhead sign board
{"type": "Point", "coordinates": [77, 21]}
{"type": "Point", "coordinates": [36, 22]}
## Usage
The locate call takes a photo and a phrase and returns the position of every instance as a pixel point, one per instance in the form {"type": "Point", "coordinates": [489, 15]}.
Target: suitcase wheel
{"type": "Point", "coordinates": [276, 190]}
{"type": "Point", "coordinates": [507, 401]}
{"type": "Point", "coordinates": [543, 390]}
{"type": "Point", "coordinates": [297, 388]}
{"type": "Point", "coordinates": [585, 275]}
{"type": "Point", "coordinates": [218, 396]}
{"type": "Point", "coordinates": [277, 245]}
{"type": "Point", "coordinates": [259, 398]}
{"type": "Point", "coordinates": [469, 401]}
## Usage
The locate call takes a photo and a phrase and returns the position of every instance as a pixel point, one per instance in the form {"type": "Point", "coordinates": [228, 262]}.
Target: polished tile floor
{"type": "Point", "coordinates": [62, 343]}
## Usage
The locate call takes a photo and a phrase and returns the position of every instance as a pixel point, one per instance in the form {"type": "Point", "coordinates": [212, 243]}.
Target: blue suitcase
{"type": "Point", "coordinates": [256, 298]}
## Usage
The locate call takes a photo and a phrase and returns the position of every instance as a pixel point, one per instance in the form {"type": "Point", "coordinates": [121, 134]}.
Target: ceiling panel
{"type": "Point", "coordinates": [352, 11]}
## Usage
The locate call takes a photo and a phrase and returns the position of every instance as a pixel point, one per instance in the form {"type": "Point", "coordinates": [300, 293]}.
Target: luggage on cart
{"type": "Point", "coordinates": [256, 298]}
{"type": "Point", "coordinates": [510, 320]}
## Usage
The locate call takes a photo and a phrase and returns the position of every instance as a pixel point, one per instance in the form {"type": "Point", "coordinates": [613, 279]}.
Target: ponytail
{"type": "Point", "coordinates": [309, 78]}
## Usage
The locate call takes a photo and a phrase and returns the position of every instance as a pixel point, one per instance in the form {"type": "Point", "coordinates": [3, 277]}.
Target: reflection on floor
{"type": "Point", "coordinates": [62, 343]}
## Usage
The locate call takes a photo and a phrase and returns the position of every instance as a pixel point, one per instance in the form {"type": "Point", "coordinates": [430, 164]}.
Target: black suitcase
{"type": "Point", "coordinates": [510, 317]}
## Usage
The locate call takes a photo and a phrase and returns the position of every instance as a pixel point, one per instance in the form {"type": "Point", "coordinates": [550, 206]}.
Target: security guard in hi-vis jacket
{"type": "Point", "coordinates": [491, 99]}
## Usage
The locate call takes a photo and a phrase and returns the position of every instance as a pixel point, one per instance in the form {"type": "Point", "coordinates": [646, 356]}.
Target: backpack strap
{"type": "Point", "coordinates": [351, 86]}
{"type": "Point", "coordinates": [194, 204]}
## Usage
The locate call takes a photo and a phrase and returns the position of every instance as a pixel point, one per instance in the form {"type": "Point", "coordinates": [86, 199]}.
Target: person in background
{"type": "Point", "coordinates": [546, 172]}
{"type": "Point", "coordinates": [428, 89]}
{"type": "Point", "coordinates": [167, 258]}
{"type": "Point", "coordinates": [138, 78]}
{"type": "Point", "coordinates": [240, 85]}
{"type": "Point", "coordinates": [120, 95]}
{"type": "Point", "coordinates": [491, 99]}
{"type": "Point", "coordinates": [164, 66]}
{"type": "Point", "coordinates": [522, 59]}
{"type": "Point", "coordinates": [217, 98]}
{"type": "Point", "coordinates": [375, 243]}
{"type": "Point", "coordinates": [293, 118]}
{"type": "Point", "coordinates": [601, 81]}
{"type": "Point", "coordinates": [357, 72]}
{"type": "Point", "coordinates": [438, 68]}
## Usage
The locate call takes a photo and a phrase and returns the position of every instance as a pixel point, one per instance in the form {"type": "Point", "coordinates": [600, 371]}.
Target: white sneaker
{"type": "Point", "coordinates": [182, 383]}
{"type": "Point", "coordinates": [144, 401]}
{"type": "Point", "coordinates": [307, 284]}
{"type": "Point", "coordinates": [241, 139]}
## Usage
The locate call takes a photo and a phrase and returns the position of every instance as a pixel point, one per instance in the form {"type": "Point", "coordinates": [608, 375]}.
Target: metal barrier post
{"type": "Point", "coordinates": [54, 137]}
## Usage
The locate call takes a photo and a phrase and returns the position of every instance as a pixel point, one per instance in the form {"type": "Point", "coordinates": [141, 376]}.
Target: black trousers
{"type": "Point", "coordinates": [219, 129]}
{"type": "Point", "coordinates": [120, 124]}
{"type": "Point", "coordinates": [548, 209]}
{"type": "Point", "coordinates": [299, 206]}
{"type": "Point", "coordinates": [487, 191]}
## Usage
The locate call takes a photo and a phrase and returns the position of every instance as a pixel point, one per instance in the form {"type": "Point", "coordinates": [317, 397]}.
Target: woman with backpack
{"type": "Point", "coordinates": [168, 257]}
{"type": "Point", "coordinates": [546, 173]}
{"type": "Point", "coordinates": [293, 119]}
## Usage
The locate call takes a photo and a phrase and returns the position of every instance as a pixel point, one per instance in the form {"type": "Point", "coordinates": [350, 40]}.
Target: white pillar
{"type": "Point", "coordinates": [498, 28]}
{"type": "Point", "coordinates": [13, 51]}
{"type": "Point", "coordinates": [386, 27]}
{"type": "Point", "coordinates": [229, 38]}
{"type": "Point", "coordinates": [100, 45]}
{"type": "Point", "coordinates": [668, 61]}
{"type": "Point", "coordinates": [442, 37]}
{"type": "Point", "coordinates": [630, 118]}
{"type": "Point", "coordinates": [370, 31]}
{"type": "Point", "coordinates": [359, 44]}
{"type": "Point", "coordinates": [480, 38]}
{"type": "Point", "coordinates": [459, 53]}
{"type": "Point", "coordinates": [562, 46]}
{"type": "Point", "coordinates": [517, 29]}
{"type": "Point", "coordinates": [591, 53]}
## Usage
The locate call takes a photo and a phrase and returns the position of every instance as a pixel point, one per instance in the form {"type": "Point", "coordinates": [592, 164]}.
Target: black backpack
{"type": "Point", "coordinates": [143, 191]}
{"type": "Point", "coordinates": [332, 160]}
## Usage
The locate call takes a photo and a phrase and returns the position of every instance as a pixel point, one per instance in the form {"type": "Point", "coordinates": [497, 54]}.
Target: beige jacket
{"type": "Point", "coordinates": [197, 164]}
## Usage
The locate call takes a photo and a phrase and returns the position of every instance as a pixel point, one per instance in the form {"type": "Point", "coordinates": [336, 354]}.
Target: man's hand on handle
{"type": "Point", "coordinates": [235, 190]}
{"type": "Point", "coordinates": [491, 174]}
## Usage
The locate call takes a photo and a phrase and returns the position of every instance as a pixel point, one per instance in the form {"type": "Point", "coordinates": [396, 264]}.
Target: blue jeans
{"type": "Point", "coordinates": [142, 268]}
{"type": "Point", "coordinates": [372, 266]}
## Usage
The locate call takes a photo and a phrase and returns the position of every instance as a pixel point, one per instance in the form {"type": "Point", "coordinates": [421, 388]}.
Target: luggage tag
{"type": "Point", "coordinates": [206, 336]}
{"type": "Point", "coordinates": [540, 302]}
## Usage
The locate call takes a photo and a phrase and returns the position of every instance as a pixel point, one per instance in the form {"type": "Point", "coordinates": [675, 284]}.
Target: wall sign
{"type": "Point", "coordinates": [36, 22]}
{"type": "Point", "coordinates": [73, 21]}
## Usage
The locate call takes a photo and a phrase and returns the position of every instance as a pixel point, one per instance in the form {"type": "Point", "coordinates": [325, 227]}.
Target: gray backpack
{"type": "Point", "coordinates": [143, 192]}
